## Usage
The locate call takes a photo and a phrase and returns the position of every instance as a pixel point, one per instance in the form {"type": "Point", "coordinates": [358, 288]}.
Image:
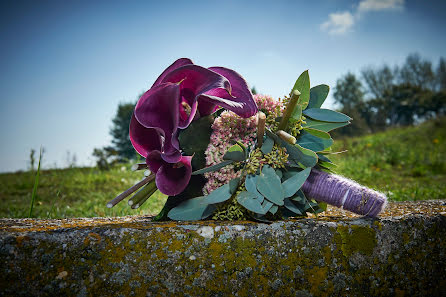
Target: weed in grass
{"type": "Point", "coordinates": [36, 183]}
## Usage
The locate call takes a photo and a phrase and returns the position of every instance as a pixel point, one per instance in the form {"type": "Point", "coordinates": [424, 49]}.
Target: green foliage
{"type": "Point", "coordinates": [251, 202]}
{"type": "Point", "coordinates": [191, 210]}
{"type": "Point", "coordinates": [318, 94]}
{"type": "Point", "coordinates": [303, 86]}
{"type": "Point", "coordinates": [267, 146]}
{"type": "Point", "coordinates": [213, 167]}
{"type": "Point", "coordinates": [219, 195]}
{"type": "Point", "coordinates": [323, 126]}
{"type": "Point", "coordinates": [292, 184]}
{"type": "Point", "coordinates": [326, 115]}
{"type": "Point", "coordinates": [315, 140]}
{"type": "Point", "coordinates": [269, 185]}
{"type": "Point", "coordinates": [194, 143]}
{"type": "Point", "coordinates": [299, 156]}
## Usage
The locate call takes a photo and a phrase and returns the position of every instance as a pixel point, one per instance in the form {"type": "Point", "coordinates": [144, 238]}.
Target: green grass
{"type": "Point", "coordinates": [74, 192]}
{"type": "Point", "coordinates": [405, 163]}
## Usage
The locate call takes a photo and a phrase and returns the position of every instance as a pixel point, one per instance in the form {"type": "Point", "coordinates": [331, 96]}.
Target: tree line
{"type": "Point", "coordinates": [383, 97]}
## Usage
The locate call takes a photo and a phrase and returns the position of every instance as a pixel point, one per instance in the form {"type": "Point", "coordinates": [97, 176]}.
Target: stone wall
{"type": "Point", "coordinates": [332, 255]}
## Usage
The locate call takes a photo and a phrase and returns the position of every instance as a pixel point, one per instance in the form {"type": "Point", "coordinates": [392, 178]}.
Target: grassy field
{"type": "Point", "coordinates": [405, 163]}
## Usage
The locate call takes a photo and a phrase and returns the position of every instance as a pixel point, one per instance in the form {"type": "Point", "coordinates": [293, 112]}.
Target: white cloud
{"type": "Point", "coordinates": [380, 5]}
{"type": "Point", "coordinates": [342, 22]}
{"type": "Point", "coordinates": [338, 23]}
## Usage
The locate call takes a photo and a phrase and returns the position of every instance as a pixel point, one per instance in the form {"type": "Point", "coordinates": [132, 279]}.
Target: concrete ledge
{"type": "Point", "coordinates": [332, 255]}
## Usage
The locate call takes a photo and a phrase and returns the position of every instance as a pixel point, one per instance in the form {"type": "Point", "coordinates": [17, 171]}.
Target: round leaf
{"type": "Point", "coordinates": [269, 185]}
{"type": "Point", "coordinates": [220, 194]}
{"type": "Point", "coordinates": [295, 182]}
{"type": "Point", "coordinates": [250, 202]}
{"type": "Point", "coordinates": [326, 115]}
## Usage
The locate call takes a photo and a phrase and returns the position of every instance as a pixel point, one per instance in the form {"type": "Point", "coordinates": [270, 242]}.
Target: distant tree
{"type": "Point", "coordinates": [105, 157]}
{"type": "Point", "coordinates": [441, 74]}
{"type": "Point", "coordinates": [254, 91]}
{"type": "Point", "coordinates": [348, 91]}
{"type": "Point", "coordinates": [378, 80]}
{"type": "Point", "coordinates": [350, 96]}
{"type": "Point", "coordinates": [417, 72]}
{"type": "Point", "coordinates": [120, 131]}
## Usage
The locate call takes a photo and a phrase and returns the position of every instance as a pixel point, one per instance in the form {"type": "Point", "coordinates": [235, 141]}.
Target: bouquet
{"type": "Point", "coordinates": [221, 153]}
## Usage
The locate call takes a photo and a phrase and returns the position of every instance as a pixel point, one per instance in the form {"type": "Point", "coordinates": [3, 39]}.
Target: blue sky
{"type": "Point", "coordinates": [65, 65]}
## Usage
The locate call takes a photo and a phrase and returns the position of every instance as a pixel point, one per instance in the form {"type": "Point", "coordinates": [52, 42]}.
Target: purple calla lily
{"type": "Point", "coordinates": [172, 104]}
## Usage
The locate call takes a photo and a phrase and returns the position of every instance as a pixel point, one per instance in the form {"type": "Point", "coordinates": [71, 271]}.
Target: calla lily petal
{"type": "Point", "coordinates": [195, 80]}
{"type": "Point", "coordinates": [177, 64]}
{"type": "Point", "coordinates": [239, 101]}
{"type": "Point", "coordinates": [172, 178]}
{"type": "Point", "coordinates": [158, 108]}
{"type": "Point", "coordinates": [154, 161]}
{"type": "Point", "coordinates": [144, 139]}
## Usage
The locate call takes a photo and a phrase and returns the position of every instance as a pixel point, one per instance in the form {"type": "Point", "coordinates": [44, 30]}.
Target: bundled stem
{"type": "Point", "coordinates": [142, 195]}
{"type": "Point", "coordinates": [287, 137]}
{"type": "Point", "coordinates": [139, 166]}
{"type": "Point", "coordinates": [341, 192]}
{"type": "Point", "coordinates": [261, 117]}
{"type": "Point", "coordinates": [289, 110]}
{"type": "Point", "coordinates": [130, 190]}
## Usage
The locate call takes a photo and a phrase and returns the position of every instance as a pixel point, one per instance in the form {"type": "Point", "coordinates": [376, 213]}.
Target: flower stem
{"type": "Point", "coordinates": [142, 195]}
{"type": "Point", "coordinates": [129, 191]}
{"type": "Point", "coordinates": [139, 166]}
{"type": "Point", "coordinates": [289, 110]}
{"type": "Point", "coordinates": [287, 137]}
{"type": "Point", "coordinates": [261, 117]}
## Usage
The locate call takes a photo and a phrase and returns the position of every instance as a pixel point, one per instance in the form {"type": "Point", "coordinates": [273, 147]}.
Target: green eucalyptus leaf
{"type": "Point", "coordinates": [250, 202]}
{"type": "Point", "coordinates": [294, 183]}
{"type": "Point", "coordinates": [299, 197]}
{"type": "Point", "coordinates": [297, 112]}
{"type": "Point", "coordinates": [273, 136]}
{"type": "Point", "coordinates": [279, 173]}
{"type": "Point", "coordinates": [317, 133]}
{"type": "Point", "coordinates": [303, 86]}
{"type": "Point", "coordinates": [315, 143]}
{"type": "Point", "coordinates": [190, 210]}
{"type": "Point", "coordinates": [193, 189]}
{"type": "Point", "coordinates": [290, 172]}
{"type": "Point", "coordinates": [318, 94]}
{"type": "Point", "coordinates": [233, 185]}
{"type": "Point", "coordinates": [234, 156]}
{"type": "Point", "coordinates": [326, 115]}
{"type": "Point", "coordinates": [290, 205]}
{"type": "Point", "coordinates": [213, 167]}
{"type": "Point", "coordinates": [274, 209]}
{"type": "Point", "coordinates": [260, 218]}
{"type": "Point", "coordinates": [267, 205]}
{"type": "Point", "coordinates": [218, 195]}
{"type": "Point", "coordinates": [269, 185]}
{"type": "Point", "coordinates": [193, 143]}
{"type": "Point", "coordinates": [236, 148]}
{"type": "Point", "coordinates": [301, 156]}
{"type": "Point", "coordinates": [286, 213]}
{"type": "Point", "coordinates": [323, 126]}
{"type": "Point", "coordinates": [267, 146]}
{"type": "Point", "coordinates": [251, 186]}
{"type": "Point", "coordinates": [323, 158]}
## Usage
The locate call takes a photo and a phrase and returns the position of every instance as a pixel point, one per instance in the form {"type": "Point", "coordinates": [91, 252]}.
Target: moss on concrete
{"type": "Point", "coordinates": [307, 257]}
